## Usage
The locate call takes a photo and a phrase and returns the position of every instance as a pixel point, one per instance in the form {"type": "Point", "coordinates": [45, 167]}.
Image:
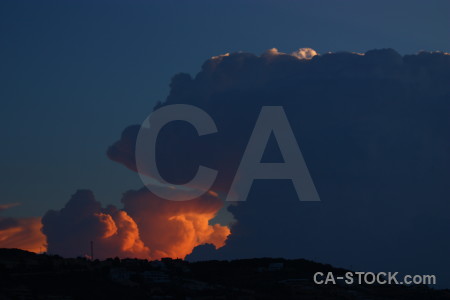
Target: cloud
{"type": "Point", "coordinates": [373, 129]}
{"type": "Point", "coordinates": [70, 231]}
{"type": "Point", "coordinates": [7, 206]}
{"type": "Point", "coordinates": [174, 228]}
{"type": "Point", "coordinates": [147, 227]}
{"type": "Point", "coordinates": [123, 150]}
{"type": "Point", "coordinates": [21, 233]}
{"type": "Point", "coordinates": [304, 53]}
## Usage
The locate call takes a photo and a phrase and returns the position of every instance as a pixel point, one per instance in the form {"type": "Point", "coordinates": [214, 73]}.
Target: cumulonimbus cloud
{"type": "Point", "coordinates": [373, 128]}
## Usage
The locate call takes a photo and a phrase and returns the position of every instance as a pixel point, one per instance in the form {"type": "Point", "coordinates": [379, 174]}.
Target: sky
{"type": "Point", "coordinates": [74, 74]}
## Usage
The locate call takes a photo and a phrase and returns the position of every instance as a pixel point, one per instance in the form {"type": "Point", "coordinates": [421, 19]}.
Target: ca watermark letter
{"type": "Point", "coordinates": [271, 120]}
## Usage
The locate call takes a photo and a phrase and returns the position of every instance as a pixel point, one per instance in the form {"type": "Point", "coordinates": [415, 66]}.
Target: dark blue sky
{"type": "Point", "coordinates": [74, 74]}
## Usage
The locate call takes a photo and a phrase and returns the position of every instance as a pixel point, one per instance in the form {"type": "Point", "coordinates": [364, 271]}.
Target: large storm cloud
{"type": "Point", "coordinates": [374, 130]}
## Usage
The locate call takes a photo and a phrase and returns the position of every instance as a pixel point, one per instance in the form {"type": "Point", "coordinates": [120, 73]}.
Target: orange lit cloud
{"type": "Point", "coordinates": [120, 236]}
{"type": "Point", "coordinates": [175, 228]}
{"type": "Point", "coordinates": [70, 230]}
{"type": "Point", "coordinates": [7, 205]}
{"type": "Point", "coordinates": [147, 227]}
{"type": "Point", "coordinates": [22, 233]}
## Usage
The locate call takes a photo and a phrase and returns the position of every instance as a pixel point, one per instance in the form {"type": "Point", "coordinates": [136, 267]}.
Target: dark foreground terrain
{"type": "Point", "coordinates": [25, 275]}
